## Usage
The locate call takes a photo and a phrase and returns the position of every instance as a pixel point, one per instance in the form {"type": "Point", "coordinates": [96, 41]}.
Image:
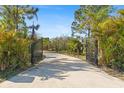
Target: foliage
{"type": "Point", "coordinates": [46, 43]}
{"type": "Point", "coordinates": [14, 51]}
{"type": "Point", "coordinates": [66, 44]}
{"type": "Point", "coordinates": [98, 25]}
{"type": "Point", "coordinates": [111, 42]}
{"type": "Point", "coordinates": [14, 40]}
{"type": "Point", "coordinates": [13, 17]}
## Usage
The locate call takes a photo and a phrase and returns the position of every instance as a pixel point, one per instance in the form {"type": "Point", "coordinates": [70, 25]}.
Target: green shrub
{"type": "Point", "coordinates": [117, 65]}
{"type": "Point", "coordinates": [14, 50]}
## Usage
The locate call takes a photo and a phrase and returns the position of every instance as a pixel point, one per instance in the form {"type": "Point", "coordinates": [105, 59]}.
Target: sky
{"type": "Point", "coordinates": [55, 20]}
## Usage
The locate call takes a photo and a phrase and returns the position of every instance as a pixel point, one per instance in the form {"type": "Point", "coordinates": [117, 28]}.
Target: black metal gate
{"type": "Point", "coordinates": [36, 51]}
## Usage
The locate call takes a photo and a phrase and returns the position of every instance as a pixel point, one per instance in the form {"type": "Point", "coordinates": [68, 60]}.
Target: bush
{"type": "Point", "coordinates": [116, 64]}
{"type": "Point", "coordinates": [14, 50]}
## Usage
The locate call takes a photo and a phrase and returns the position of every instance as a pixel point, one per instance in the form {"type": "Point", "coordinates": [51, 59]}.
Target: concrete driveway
{"type": "Point", "coordinates": [58, 70]}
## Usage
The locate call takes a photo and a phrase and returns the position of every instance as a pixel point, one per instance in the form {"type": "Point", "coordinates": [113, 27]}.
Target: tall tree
{"type": "Point", "coordinates": [13, 17]}
{"type": "Point", "coordinates": [89, 17]}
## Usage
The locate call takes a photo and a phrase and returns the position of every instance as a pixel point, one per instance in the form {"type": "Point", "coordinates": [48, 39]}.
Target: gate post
{"type": "Point", "coordinates": [32, 53]}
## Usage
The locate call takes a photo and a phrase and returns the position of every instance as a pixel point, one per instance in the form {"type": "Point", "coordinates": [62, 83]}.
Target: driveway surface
{"type": "Point", "coordinates": [62, 71]}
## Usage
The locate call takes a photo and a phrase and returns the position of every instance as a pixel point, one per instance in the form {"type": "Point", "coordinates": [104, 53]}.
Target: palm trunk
{"type": "Point", "coordinates": [87, 47]}
{"type": "Point", "coordinates": [96, 53]}
{"type": "Point", "coordinates": [103, 59]}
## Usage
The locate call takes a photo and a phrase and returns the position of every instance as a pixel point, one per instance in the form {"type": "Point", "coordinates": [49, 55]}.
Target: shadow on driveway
{"type": "Point", "coordinates": [56, 69]}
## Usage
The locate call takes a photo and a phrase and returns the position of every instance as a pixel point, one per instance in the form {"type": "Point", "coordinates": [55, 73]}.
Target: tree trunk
{"type": "Point", "coordinates": [16, 18]}
{"type": "Point", "coordinates": [42, 47]}
{"type": "Point", "coordinates": [87, 47]}
{"type": "Point", "coordinates": [96, 53]}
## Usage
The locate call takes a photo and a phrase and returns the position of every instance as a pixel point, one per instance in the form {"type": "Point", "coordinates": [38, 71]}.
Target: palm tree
{"type": "Point", "coordinates": [13, 16]}
{"type": "Point", "coordinates": [89, 18]}
{"type": "Point", "coordinates": [34, 27]}
{"type": "Point", "coordinates": [111, 38]}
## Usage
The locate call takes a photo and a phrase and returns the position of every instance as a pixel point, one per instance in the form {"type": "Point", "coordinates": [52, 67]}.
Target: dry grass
{"type": "Point", "coordinates": [113, 72]}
